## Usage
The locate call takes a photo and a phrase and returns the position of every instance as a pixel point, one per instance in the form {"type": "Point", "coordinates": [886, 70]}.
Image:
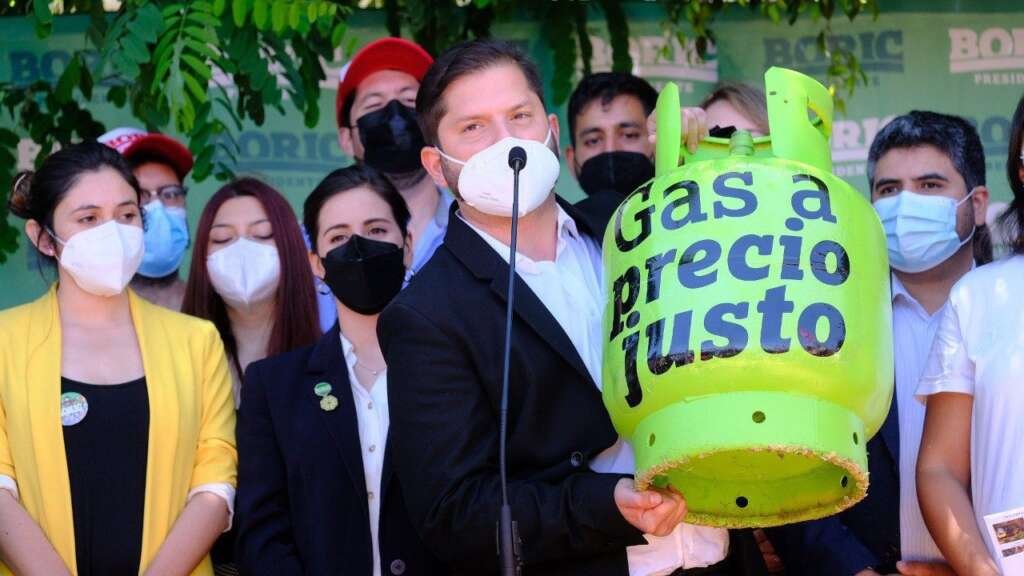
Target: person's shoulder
{"type": "Point", "coordinates": [989, 285]}
{"type": "Point", "coordinates": [441, 277]}
{"type": "Point", "coordinates": [15, 317]}
{"type": "Point", "coordinates": [1008, 269]}
{"type": "Point", "coordinates": [15, 321]}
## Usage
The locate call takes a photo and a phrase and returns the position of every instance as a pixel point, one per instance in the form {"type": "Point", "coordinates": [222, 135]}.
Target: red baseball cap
{"type": "Point", "coordinates": [384, 54]}
{"type": "Point", "coordinates": [131, 142]}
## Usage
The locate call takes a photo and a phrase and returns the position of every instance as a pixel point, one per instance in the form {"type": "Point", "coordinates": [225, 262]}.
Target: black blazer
{"type": "Point", "coordinates": [866, 535]}
{"type": "Point", "coordinates": [442, 338]}
{"type": "Point", "coordinates": [301, 506]}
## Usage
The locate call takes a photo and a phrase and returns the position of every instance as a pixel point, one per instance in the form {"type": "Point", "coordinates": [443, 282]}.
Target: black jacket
{"type": "Point", "coordinates": [301, 506]}
{"type": "Point", "coordinates": [442, 338]}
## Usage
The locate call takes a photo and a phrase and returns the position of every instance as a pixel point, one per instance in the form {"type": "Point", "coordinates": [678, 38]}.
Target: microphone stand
{"type": "Point", "coordinates": [508, 533]}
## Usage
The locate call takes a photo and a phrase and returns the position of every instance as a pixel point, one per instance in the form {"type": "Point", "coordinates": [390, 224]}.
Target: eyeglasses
{"type": "Point", "coordinates": [172, 195]}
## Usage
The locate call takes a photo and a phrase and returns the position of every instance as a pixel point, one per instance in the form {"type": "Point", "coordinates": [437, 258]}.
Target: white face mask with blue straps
{"type": "Point", "coordinates": [920, 230]}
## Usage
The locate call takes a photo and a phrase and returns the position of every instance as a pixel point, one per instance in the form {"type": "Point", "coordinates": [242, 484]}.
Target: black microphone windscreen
{"type": "Point", "coordinates": [517, 156]}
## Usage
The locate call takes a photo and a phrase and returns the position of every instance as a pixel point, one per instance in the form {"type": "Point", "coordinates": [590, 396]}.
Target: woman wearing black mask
{"type": "Point", "coordinates": [317, 491]}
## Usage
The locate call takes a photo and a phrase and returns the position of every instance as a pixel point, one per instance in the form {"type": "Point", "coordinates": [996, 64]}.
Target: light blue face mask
{"type": "Point", "coordinates": [166, 240]}
{"type": "Point", "coordinates": [920, 230]}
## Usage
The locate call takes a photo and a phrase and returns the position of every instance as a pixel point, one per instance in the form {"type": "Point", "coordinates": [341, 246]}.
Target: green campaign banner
{"type": "Point", "coordinates": [918, 54]}
{"type": "Point", "coordinates": [927, 57]}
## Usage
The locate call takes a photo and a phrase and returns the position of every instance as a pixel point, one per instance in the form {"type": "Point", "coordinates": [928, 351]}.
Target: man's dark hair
{"type": "Point", "coordinates": [952, 135]}
{"type": "Point", "coordinates": [606, 86]}
{"type": "Point", "coordinates": [458, 61]}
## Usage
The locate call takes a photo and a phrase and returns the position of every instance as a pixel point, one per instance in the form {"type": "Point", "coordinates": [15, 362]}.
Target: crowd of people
{"type": "Point", "coordinates": [321, 395]}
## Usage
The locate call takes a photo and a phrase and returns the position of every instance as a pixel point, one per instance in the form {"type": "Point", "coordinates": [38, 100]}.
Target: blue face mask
{"type": "Point", "coordinates": [166, 240]}
{"type": "Point", "coordinates": [920, 230]}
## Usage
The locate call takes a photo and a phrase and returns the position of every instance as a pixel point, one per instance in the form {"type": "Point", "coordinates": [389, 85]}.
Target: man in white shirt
{"type": "Point", "coordinates": [927, 178]}
{"type": "Point", "coordinates": [569, 474]}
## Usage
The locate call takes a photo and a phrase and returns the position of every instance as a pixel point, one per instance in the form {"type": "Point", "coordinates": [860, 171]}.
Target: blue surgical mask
{"type": "Point", "coordinates": [920, 230]}
{"type": "Point", "coordinates": [166, 240]}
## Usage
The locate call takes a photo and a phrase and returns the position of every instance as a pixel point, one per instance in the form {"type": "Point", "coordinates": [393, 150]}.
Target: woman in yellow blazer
{"type": "Point", "coordinates": [117, 449]}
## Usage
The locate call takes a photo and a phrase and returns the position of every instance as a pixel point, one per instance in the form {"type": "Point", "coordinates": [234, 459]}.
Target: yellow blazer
{"type": "Point", "coordinates": [191, 421]}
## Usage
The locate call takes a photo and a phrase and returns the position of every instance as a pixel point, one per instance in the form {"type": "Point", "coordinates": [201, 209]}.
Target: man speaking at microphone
{"type": "Point", "coordinates": [569, 480]}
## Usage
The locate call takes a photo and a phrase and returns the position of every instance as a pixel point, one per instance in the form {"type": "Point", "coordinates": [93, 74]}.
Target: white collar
{"type": "Point", "coordinates": [566, 227]}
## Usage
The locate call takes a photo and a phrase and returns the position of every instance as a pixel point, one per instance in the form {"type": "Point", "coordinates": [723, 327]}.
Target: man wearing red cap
{"type": "Point", "coordinates": [377, 125]}
{"type": "Point", "coordinates": [160, 164]}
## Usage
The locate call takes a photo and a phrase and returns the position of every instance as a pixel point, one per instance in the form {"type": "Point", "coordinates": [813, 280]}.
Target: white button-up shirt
{"type": "Point", "coordinates": [373, 421]}
{"type": "Point", "coordinates": [913, 332]}
{"type": "Point", "coordinates": [571, 289]}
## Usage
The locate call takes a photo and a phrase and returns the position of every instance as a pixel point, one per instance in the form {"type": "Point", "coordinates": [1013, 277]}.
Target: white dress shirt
{"type": "Point", "coordinates": [572, 290]}
{"type": "Point", "coordinates": [979, 351]}
{"type": "Point", "coordinates": [373, 420]}
{"type": "Point", "coordinates": [913, 332]}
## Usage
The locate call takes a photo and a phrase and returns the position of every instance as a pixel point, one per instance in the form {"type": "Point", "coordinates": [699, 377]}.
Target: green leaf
{"type": "Point", "coordinates": [205, 6]}
{"type": "Point", "coordinates": [278, 15]}
{"type": "Point", "coordinates": [295, 15]}
{"type": "Point", "coordinates": [86, 83]}
{"type": "Point", "coordinates": [135, 49]}
{"type": "Point", "coordinates": [203, 18]}
{"type": "Point", "coordinates": [337, 34]}
{"type": "Point", "coordinates": [202, 34]}
{"type": "Point", "coordinates": [197, 65]}
{"type": "Point", "coordinates": [260, 14]}
{"type": "Point", "coordinates": [201, 48]}
{"type": "Point", "coordinates": [69, 79]}
{"type": "Point", "coordinates": [313, 11]}
{"type": "Point", "coordinates": [161, 53]}
{"type": "Point", "coordinates": [312, 114]}
{"type": "Point", "coordinates": [41, 11]}
{"type": "Point", "coordinates": [239, 9]}
{"type": "Point", "coordinates": [8, 138]}
{"type": "Point", "coordinates": [195, 88]}
{"type": "Point", "coordinates": [219, 6]}
{"type": "Point", "coordinates": [117, 95]}
{"type": "Point", "coordinates": [162, 67]}
{"type": "Point", "coordinates": [148, 23]}
{"type": "Point", "coordinates": [172, 10]}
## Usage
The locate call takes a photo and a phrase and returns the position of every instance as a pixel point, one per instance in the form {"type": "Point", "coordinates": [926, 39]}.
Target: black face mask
{"type": "Point", "coordinates": [365, 275]}
{"type": "Point", "coordinates": [391, 139]}
{"type": "Point", "coordinates": [619, 171]}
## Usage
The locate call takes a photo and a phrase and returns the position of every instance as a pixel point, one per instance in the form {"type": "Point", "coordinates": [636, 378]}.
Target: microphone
{"type": "Point", "coordinates": [508, 531]}
{"type": "Point", "coordinates": [516, 161]}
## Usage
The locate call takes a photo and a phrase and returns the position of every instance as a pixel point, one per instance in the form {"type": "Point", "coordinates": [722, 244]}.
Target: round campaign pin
{"type": "Point", "coordinates": [73, 408]}
{"type": "Point", "coordinates": [322, 389]}
{"type": "Point", "coordinates": [328, 403]}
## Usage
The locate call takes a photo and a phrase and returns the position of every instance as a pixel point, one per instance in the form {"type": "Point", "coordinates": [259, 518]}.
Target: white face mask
{"type": "Point", "coordinates": [102, 260]}
{"type": "Point", "coordinates": [486, 180]}
{"type": "Point", "coordinates": [244, 272]}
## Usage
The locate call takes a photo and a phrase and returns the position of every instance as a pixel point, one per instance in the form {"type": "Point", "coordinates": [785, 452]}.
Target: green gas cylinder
{"type": "Point", "coordinates": [747, 335]}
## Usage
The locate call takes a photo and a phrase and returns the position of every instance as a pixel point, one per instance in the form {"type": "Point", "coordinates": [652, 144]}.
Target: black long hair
{"type": "Point", "coordinates": [1012, 220]}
